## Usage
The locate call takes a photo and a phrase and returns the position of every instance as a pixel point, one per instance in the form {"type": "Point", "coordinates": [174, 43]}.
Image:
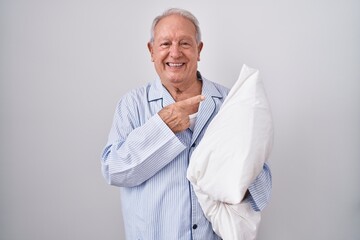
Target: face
{"type": "Point", "coordinates": [175, 52]}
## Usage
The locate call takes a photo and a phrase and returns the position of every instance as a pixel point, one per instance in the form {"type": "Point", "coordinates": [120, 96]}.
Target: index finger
{"type": "Point", "coordinates": [191, 101]}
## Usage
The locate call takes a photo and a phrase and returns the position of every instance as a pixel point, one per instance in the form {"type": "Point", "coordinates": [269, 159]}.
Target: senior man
{"type": "Point", "coordinates": [155, 129]}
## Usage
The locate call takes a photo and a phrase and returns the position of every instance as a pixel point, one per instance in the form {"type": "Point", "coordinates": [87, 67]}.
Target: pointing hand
{"type": "Point", "coordinates": [176, 115]}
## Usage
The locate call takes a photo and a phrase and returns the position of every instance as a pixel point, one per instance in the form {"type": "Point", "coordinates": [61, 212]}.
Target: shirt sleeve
{"type": "Point", "coordinates": [260, 189]}
{"type": "Point", "coordinates": [136, 151]}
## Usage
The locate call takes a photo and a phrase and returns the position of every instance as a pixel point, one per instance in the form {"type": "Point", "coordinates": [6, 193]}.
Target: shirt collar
{"type": "Point", "coordinates": [158, 91]}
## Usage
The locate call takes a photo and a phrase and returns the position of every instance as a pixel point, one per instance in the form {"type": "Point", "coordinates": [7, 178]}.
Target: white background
{"type": "Point", "coordinates": [65, 64]}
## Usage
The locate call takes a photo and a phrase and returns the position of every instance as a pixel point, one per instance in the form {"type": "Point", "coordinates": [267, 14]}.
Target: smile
{"type": "Point", "coordinates": [175, 65]}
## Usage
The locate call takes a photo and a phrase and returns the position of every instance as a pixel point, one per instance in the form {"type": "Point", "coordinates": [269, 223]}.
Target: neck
{"type": "Point", "coordinates": [183, 92]}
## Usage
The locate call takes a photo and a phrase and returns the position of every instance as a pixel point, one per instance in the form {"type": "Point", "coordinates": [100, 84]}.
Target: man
{"type": "Point", "coordinates": [152, 138]}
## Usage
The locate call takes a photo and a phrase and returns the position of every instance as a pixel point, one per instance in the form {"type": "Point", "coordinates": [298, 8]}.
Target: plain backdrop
{"type": "Point", "coordinates": [65, 64]}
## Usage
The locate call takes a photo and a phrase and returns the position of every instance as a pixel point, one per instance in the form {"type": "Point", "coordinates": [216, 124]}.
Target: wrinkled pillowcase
{"type": "Point", "coordinates": [231, 155]}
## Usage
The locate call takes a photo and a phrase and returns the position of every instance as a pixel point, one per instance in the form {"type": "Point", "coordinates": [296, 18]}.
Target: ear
{"type": "Point", "coordinates": [151, 50]}
{"type": "Point", "coordinates": [200, 46]}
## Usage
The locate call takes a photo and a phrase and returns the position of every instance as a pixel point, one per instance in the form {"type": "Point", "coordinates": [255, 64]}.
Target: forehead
{"type": "Point", "coordinates": [174, 26]}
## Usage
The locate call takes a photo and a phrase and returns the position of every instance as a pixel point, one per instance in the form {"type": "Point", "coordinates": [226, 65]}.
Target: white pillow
{"type": "Point", "coordinates": [231, 155]}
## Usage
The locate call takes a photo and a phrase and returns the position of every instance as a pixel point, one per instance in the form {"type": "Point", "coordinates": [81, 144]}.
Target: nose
{"type": "Point", "coordinates": [175, 51]}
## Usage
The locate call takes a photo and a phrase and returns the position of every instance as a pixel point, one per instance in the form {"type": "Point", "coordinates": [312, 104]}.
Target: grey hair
{"type": "Point", "coordinates": [177, 11]}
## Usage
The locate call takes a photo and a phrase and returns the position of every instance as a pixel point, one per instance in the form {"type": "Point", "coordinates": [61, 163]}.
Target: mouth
{"type": "Point", "coordinates": [175, 65]}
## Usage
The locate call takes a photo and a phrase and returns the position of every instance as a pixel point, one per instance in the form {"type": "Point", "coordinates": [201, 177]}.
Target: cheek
{"type": "Point", "coordinates": [159, 55]}
{"type": "Point", "coordinates": [158, 61]}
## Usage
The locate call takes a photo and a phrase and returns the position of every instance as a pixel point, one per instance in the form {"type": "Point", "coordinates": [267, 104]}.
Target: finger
{"type": "Point", "coordinates": [191, 101]}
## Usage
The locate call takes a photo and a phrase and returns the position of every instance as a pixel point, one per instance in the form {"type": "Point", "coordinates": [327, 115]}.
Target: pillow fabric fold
{"type": "Point", "coordinates": [231, 155]}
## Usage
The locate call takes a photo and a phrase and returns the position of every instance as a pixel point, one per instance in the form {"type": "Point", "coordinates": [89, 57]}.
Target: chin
{"type": "Point", "coordinates": [175, 78]}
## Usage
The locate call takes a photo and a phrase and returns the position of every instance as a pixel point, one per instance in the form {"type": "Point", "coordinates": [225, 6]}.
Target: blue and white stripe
{"type": "Point", "coordinates": [149, 162]}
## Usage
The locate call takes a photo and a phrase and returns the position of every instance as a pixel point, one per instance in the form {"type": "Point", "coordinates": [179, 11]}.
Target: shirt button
{"type": "Point", "coordinates": [194, 226]}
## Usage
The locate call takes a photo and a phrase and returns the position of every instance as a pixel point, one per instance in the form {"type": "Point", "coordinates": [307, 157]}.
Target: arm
{"type": "Point", "coordinates": [260, 189]}
{"type": "Point", "coordinates": [136, 151]}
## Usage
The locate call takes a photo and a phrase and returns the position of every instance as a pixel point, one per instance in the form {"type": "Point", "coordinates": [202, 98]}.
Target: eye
{"type": "Point", "coordinates": [185, 44]}
{"type": "Point", "coordinates": [165, 44]}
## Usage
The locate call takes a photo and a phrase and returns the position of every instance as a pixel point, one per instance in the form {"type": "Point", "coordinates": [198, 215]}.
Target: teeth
{"type": "Point", "coordinates": [175, 64]}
